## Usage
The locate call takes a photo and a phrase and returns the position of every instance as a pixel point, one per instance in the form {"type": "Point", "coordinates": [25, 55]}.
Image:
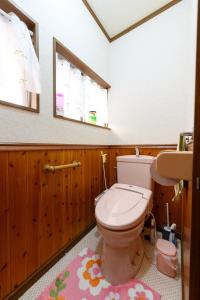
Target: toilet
{"type": "Point", "coordinates": [120, 214]}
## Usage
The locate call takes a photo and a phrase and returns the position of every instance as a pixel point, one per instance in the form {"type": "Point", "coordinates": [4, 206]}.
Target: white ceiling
{"type": "Point", "coordinates": [118, 15]}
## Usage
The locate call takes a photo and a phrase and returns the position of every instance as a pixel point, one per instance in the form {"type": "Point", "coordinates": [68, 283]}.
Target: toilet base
{"type": "Point", "coordinates": [121, 262]}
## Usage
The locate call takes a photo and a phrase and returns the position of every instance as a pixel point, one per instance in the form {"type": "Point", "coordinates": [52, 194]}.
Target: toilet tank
{"type": "Point", "coordinates": [135, 170]}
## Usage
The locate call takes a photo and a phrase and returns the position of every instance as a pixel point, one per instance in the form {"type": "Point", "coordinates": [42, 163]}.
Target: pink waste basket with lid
{"type": "Point", "coordinates": [166, 257]}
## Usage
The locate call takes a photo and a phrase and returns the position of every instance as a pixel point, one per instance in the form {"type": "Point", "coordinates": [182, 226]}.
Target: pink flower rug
{"type": "Point", "coordinates": [82, 280]}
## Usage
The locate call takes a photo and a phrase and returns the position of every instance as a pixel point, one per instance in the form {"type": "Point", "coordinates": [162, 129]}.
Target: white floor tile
{"type": "Point", "coordinates": [170, 289]}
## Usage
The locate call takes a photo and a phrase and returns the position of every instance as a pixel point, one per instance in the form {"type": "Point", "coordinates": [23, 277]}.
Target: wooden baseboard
{"type": "Point", "coordinates": [22, 288]}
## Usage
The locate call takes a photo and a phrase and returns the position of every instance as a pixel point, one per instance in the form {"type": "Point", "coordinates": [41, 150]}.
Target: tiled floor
{"type": "Point", "coordinates": [170, 289]}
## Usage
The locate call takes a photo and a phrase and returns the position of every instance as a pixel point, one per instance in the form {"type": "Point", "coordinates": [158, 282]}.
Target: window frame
{"type": "Point", "coordinates": [7, 6]}
{"type": "Point", "coordinates": [59, 48]}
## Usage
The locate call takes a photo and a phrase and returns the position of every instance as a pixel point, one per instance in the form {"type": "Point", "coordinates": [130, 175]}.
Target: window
{"type": "Point", "coordinates": [79, 94]}
{"type": "Point", "coordinates": [19, 67]}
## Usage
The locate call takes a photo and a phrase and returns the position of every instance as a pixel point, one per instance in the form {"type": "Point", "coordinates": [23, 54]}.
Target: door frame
{"type": "Point", "coordinates": [194, 281]}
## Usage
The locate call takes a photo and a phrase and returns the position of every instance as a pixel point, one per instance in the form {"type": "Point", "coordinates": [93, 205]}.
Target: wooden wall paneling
{"type": "Point", "coordinates": [88, 184]}
{"type": "Point", "coordinates": [95, 182]}
{"type": "Point", "coordinates": [106, 150]}
{"type": "Point", "coordinates": [75, 188]}
{"type": "Point", "coordinates": [82, 198]}
{"type": "Point", "coordinates": [77, 191]}
{"type": "Point", "coordinates": [93, 178]}
{"type": "Point", "coordinates": [33, 210]}
{"type": "Point", "coordinates": [175, 209]}
{"type": "Point", "coordinates": [68, 233]}
{"type": "Point", "coordinates": [112, 167]}
{"type": "Point", "coordinates": [4, 202]}
{"type": "Point", "coordinates": [44, 212]}
{"type": "Point", "coordinates": [47, 213]}
{"type": "Point", "coordinates": [84, 222]}
{"type": "Point", "coordinates": [5, 277]}
{"type": "Point", "coordinates": [158, 205]}
{"type": "Point", "coordinates": [99, 178]}
{"type": "Point", "coordinates": [99, 174]}
{"type": "Point", "coordinates": [82, 201]}
{"type": "Point", "coordinates": [58, 203]}
{"type": "Point", "coordinates": [18, 196]}
{"type": "Point", "coordinates": [5, 282]}
{"type": "Point", "coordinates": [87, 188]}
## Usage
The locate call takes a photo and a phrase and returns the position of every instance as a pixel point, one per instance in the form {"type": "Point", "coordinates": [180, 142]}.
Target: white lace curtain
{"type": "Point", "coordinates": [19, 66]}
{"type": "Point", "coordinates": [77, 94]}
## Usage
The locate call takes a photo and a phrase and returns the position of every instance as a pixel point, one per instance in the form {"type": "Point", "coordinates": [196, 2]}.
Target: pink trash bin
{"type": "Point", "coordinates": [166, 258]}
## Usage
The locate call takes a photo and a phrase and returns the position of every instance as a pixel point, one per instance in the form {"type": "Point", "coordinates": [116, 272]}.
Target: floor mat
{"type": "Point", "coordinates": [82, 280]}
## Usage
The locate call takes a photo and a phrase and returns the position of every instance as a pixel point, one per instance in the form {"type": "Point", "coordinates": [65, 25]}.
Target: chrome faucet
{"type": "Point", "coordinates": [137, 151]}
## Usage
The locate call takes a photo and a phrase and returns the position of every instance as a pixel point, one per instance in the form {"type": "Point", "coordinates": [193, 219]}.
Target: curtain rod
{"type": "Point", "coordinates": [4, 14]}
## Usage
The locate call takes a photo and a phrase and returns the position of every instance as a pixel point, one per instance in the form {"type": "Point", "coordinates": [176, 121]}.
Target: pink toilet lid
{"type": "Point", "coordinates": [122, 206]}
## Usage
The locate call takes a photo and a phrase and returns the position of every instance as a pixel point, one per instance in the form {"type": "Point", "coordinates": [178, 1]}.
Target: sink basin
{"type": "Point", "coordinates": [175, 164]}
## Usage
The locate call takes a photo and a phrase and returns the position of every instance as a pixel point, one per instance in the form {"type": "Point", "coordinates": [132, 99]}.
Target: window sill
{"type": "Point", "coordinates": [9, 104]}
{"type": "Point", "coordinates": [81, 122]}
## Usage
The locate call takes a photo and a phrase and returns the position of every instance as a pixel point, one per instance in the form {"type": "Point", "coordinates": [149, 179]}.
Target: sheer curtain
{"type": "Point", "coordinates": [76, 104]}
{"type": "Point", "coordinates": [62, 85]}
{"type": "Point", "coordinates": [68, 90]}
{"type": "Point", "coordinates": [19, 66]}
{"type": "Point", "coordinates": [77, 94]}
{"type": "Point", "coordinates": [95, 99]}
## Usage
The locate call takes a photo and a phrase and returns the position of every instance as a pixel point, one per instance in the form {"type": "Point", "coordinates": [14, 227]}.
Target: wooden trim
{"type": "Point", "coordinates": [142, 21]}
{"type": "Point", "coordinates": [40, 146]}
{"type": "Point", "coordinates": [9, 6]}
{"type": "Point", "coordinates": [21, 106]}
{"type": "Point", "coordinates": [72, 58]}
{"type": "Point", "coordinates": [77, 121]}
{"type": "Point", "coordinates": [147, 18]}
{"type": "Point", "coordinates": [194, 286]}
{"type": "Point", "coordinates": [96, 19]}
{"type": "Point", "coordinates": [43, 269]}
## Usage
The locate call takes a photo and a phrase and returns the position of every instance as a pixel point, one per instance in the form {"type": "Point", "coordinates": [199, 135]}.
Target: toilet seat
{"type": "Point", "coordinates": [122, 207]}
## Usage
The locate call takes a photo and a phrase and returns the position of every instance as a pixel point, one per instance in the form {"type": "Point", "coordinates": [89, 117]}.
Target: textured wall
{"type": "Point", "coordinates": [70, 22]}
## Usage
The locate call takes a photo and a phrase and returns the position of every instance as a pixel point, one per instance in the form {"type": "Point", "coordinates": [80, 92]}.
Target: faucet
{"type": "Point", "coordinates": [137, 151]}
